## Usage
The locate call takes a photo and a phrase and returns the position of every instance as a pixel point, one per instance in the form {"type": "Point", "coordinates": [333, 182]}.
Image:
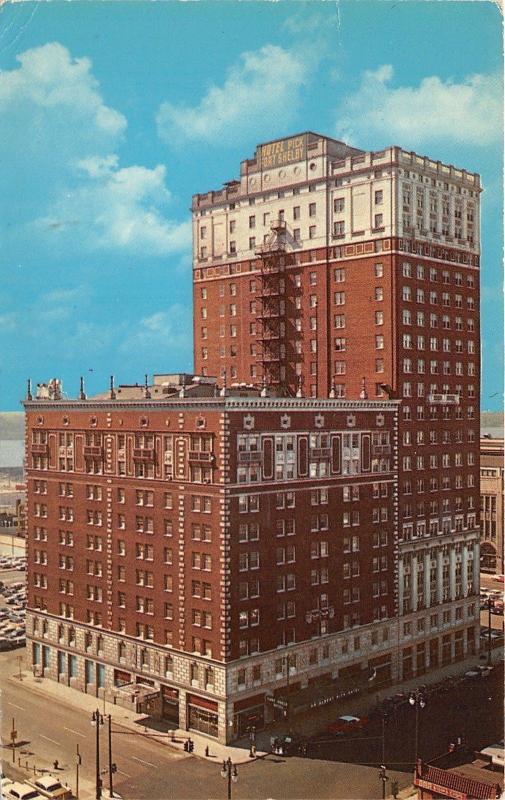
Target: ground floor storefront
{"type": "Point", "coordinates": [227, 702]}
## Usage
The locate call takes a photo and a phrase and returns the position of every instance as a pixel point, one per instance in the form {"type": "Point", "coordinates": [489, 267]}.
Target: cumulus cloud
{"type": "Point", "coordinates": [163, 333]}
{"type": "Point", "coordinates": [51, 106]}
{"type": "Point", "coordinates": [68, 182]}
{"type": "Point", "coordinates": [121, 208]}
{"type": "Point", "coordinates": [264, 84]}
{"type": "Point", "coordinates": [468, 112]}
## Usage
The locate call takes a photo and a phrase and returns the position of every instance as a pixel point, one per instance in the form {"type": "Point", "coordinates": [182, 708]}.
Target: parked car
{"type": "Point", "coordinates": [495, 633]}
{"type": "Point", "coordinates": [495, 752]}
{"type": "Point", "coordinates": [49, 786]}
{"type": "Point", "coordinates": [347, 724]}
{"type": "Point", "coordinates": [499, 578]}
{"type": "Point", "coordinates": [22, 791]}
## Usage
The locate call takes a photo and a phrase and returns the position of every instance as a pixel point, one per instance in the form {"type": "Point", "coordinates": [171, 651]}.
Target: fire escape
{"type": "Point", "coordinates": [272, 320]}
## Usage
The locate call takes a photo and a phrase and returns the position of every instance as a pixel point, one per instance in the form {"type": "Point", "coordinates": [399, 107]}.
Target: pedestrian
{"type": "Point", "coordinates": [56, 764]}
{"type": "Point", "coordinates": [207, 751]}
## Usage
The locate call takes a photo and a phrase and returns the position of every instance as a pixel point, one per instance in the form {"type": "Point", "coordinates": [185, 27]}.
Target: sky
{"type": "Point", "coordinates": [113, 114]}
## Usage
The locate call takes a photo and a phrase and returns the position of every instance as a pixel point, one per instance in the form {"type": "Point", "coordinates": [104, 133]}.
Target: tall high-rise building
{"type": "Point", "coordinates": [326, 271]}
{"type": "Point", "coordinates": [246, 546]}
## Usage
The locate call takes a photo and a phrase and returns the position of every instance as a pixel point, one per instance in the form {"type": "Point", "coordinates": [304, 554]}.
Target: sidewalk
{"type": "Point", "coordinates": [122, 717]}
{"type": "Point", "coordinates": [310, 723]}
{"type": "Point", "coordinates": [313, 722]}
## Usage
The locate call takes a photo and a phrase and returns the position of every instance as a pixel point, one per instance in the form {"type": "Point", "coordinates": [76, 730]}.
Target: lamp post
{"type": "Point", "coordinates": [287, 659]}
{"type": "Point", "coordinates": [384, 779]}
{"type": "Point", "coordinates": [97, 721]}
{"type": "Point", "coordinates": [417, 701]}
{"type": "Point", "coordinates": [252, 741]}
{"type": "Point", "coordinates": [488, 606]}
{"type": "Point", "coordinates": [112, 766]}
{"type": "Point", "coordinates": [382, 775]}
{"type": "Point", "coordinates": [229, 771]}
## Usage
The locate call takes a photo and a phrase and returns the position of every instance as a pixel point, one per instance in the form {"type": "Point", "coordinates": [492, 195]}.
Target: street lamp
{"type": "Point", "coordinates": [97, 721]}
{"type": "Point", "coordinates": [229, 771]}
{"type": "Point", "coordinates": [384, 779]}
{"type": "Point", "coordinates": [417, 701]}
{"type": "Point", "coordinates": [287, 660]}
{"type": "Point", "coordinates": [252, 741]}
{"type": "Point", "coordinates": [488, 606]}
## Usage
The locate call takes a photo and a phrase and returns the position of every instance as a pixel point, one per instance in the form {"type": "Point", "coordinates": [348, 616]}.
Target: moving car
{"type": "Point", "coordinates": [49, 786]}
{"type": "Point", "coordinates": [347, 724]}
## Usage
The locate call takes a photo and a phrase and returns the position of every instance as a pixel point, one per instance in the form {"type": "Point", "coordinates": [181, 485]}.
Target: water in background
{"type": "Point", "coordinates": [11, 453]}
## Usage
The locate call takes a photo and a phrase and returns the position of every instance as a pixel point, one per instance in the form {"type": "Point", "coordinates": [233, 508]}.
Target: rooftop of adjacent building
{"type": "Point", "coordinates": [181, 387]}
{"type": "Point", "coordinates": [343, 157]}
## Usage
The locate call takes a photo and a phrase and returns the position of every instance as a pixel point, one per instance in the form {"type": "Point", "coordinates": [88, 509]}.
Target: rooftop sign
{"type": "Point", "coordinates": [284, 151]}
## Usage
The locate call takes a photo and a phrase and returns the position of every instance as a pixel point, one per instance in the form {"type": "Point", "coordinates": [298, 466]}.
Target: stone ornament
{"type": "Point", "coordinates": [285, 421]}
{"type": "Point", "coordinates": [351, 420]}
{"type": "Point", "coordinates": [380, 420]}
{"type": "Point", "coordinates": [248, 422]}
{"type": "Point", "coordinates": [319, 420]}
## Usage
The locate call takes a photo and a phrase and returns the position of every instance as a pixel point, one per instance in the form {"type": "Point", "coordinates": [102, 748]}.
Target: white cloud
{"type": "Point", "coordinates": [164, 333]}
{"type": "Point", "coordinates": [469, 112]}
{"type": "Point", "coordinates": [264, 85]}
{"type": "Point", "coordinates": [51, 105]}
{"type": "Point", "coordinates": [121, 208]}
{"type": "Point", "coordinates": [68, 180]}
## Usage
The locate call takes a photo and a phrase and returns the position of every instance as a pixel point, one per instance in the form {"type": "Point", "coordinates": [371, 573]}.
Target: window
{"type": "Point", "coordinates": [312, 232]}
{"type": "Point", "coordinates": [378, 195]}
{"type": "Point", "coordinates": [378, 220]}
{"type": "Point", "coordinates": [312, 209]}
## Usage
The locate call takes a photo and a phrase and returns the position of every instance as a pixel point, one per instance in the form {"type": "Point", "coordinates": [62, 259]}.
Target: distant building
{"type": "Point", "coordinates": [491, 504]}
{"type": "Point", "coordinates": [470, 779]}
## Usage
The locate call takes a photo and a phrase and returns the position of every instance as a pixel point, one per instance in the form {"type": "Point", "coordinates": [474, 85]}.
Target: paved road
{"type": "Point", "coordinates": [46, 734]}
{"type": "Point", "coordinates": [472, 710]}
{"type": "Point", "coordinates": [150, 770]}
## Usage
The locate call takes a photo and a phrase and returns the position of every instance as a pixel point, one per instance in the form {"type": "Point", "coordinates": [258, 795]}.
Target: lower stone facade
{"type": "Point", "coordinates": [194, 693]}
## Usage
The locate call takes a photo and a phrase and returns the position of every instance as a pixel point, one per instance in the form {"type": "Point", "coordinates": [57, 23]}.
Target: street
{"type": "Point", "coordinates": [148, 769]}
{"type": "Point", "coordinates": [335, 767]}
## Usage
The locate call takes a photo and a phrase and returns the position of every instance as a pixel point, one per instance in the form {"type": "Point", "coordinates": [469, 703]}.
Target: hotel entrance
{"type": "Point", "coordinates": [202, 715]}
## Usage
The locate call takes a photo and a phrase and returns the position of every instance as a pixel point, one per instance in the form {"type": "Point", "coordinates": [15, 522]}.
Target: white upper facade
{"type": "Point", "coordinates": [327, 193]}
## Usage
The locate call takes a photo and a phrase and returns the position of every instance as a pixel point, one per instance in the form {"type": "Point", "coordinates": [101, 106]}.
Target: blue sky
{"type": "Point", "coordinates": [113, 114]}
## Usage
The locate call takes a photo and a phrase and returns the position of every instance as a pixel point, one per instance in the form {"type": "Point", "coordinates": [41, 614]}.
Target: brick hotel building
{"type": "Point", "coordinates": [311, 520]}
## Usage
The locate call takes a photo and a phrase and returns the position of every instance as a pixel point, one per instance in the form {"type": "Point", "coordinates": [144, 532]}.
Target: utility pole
{"type": "Point", "coordinates": [14, 736]}
{"type": "Point", "coordinates": [112, 767]}
{"type": "Point", "coordinates": [489, 660]}
{"type": "Point", "coordinates": [78, 762]}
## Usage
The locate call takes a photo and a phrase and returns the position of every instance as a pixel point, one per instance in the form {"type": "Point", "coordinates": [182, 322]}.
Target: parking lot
{"type": "Point", "coordinates": [12, 602]}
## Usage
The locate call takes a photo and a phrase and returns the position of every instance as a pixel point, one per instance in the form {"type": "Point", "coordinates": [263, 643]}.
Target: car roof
{"type": "Point", "coordinates": [349, 718]}
{"type": "Point", "coordinates": [48, 780]}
